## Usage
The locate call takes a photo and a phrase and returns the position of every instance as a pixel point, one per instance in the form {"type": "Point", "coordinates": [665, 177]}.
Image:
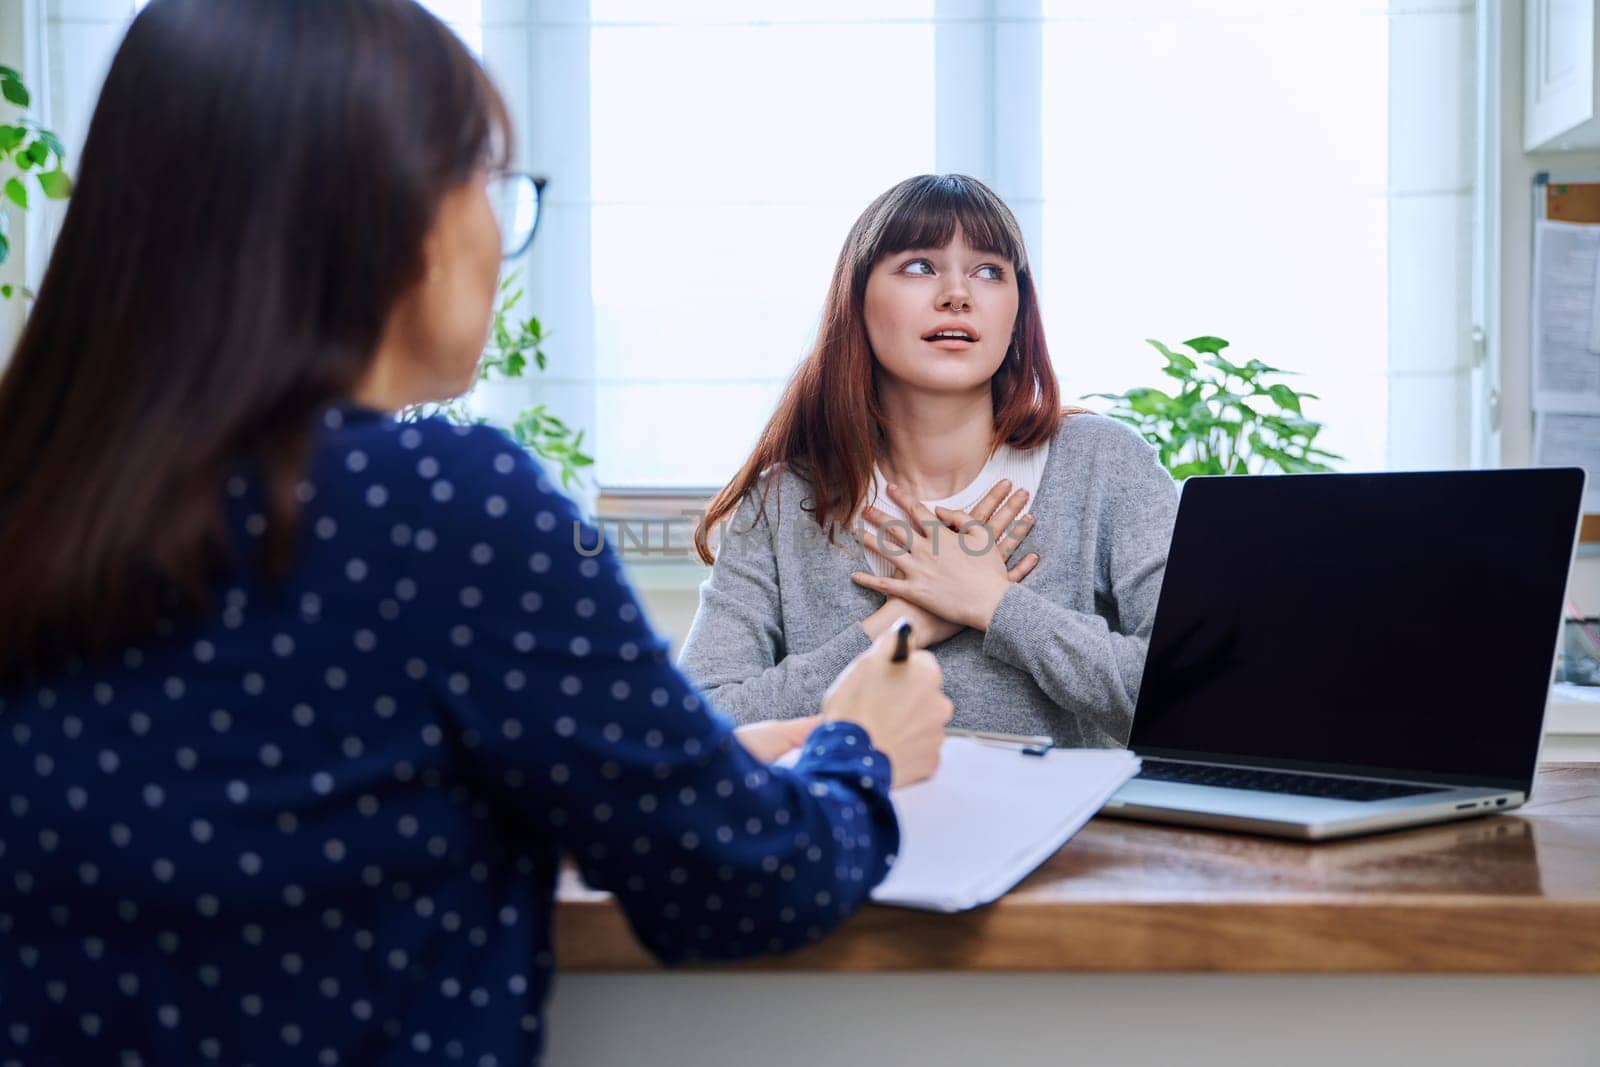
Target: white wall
{"type": "Point", "coordinates": [1046, 1020]}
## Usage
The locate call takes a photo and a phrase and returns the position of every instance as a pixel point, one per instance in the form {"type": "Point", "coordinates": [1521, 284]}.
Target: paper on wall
{"type": "Point", "coordinates": [1570, 440]}
{"type": "Point", "coordinates": [1566, 309]}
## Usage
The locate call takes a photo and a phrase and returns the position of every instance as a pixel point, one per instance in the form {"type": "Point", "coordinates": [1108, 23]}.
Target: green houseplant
{"type": "Point", "coordinates": [1225, 418]}
{"type": "Point", "coordinates": [26, 148]}
{"type": "Point", "coordinates": [513, 344]}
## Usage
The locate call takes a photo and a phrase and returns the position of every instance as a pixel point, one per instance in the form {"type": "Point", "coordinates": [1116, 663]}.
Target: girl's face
{"type": "Point", "coordinates": [940, 319]}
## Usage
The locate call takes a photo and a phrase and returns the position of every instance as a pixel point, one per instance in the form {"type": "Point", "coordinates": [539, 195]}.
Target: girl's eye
{"type": "Point", "coordinates": [990, 272]}
{"type": "Point", "coordinates": [918, 266]}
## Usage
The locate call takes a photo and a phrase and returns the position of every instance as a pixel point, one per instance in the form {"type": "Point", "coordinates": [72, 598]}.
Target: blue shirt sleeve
{"type": "Point", "coordinates": [568, 711]}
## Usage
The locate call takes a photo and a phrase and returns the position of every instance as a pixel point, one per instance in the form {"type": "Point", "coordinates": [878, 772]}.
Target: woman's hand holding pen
{"type": "Point", "coordinates": [901, 705]}
{"type": "Point", "coordinates": [952, 563]}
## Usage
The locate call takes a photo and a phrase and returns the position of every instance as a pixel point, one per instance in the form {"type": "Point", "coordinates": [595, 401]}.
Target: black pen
{"type": "Point", "coordinates": [902, 641]}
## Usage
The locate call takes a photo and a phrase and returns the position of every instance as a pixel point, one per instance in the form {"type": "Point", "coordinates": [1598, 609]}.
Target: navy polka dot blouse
{"type": "Point", "coordinates": [324, 826]}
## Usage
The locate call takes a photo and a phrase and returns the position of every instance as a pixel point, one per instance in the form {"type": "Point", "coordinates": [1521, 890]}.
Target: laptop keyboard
{"type": "Point", "coordinates": [1310, 785]}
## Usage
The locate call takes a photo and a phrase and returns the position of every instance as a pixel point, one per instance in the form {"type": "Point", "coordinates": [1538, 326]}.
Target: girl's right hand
{"type": "Point", "coordinates": [1000, 511]}
{"type": "Point", "coordinates": [902, 707]}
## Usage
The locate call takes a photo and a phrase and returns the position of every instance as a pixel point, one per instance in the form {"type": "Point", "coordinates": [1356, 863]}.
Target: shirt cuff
{"type": "Point", "coordinates": [836, 747]}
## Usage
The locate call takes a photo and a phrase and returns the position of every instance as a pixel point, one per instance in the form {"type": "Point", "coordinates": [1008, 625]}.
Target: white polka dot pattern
{"type": "Point", "coordinates": [320, 825]}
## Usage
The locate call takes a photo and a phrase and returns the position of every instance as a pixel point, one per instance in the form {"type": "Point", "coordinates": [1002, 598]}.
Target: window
{"type": "Point", "coordinates": [1294, 175]}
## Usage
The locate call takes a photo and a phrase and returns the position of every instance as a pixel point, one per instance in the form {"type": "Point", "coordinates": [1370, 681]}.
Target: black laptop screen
{"type": "Point", "coordinates": [1379, 623]}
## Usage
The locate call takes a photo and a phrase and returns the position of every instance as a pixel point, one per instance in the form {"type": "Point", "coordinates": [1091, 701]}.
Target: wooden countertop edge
{"type": "Point", "coordinates": [1395, 934]}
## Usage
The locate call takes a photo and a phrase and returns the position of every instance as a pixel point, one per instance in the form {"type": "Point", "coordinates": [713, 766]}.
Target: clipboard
{"type": "Point", "coordinates": [1563, 434]}
{"type": "Point", "coordinates": [990, 814]}
{"type": "Point", "coordinates": [1025, 744]}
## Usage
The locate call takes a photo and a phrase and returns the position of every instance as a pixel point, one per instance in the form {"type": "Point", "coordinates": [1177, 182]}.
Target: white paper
{"type": "Point", "coordinates": [1566, 333]}
{"type": "Point", "coordinates": [990, 816]}
{"type": "Point", "coordinates": [1570, 441]}
{"type": "Point", "coordinates": [1594, 312]}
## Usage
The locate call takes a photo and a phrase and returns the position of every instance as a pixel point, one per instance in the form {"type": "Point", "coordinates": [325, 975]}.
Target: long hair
{"type": "Point", "coordinates": [828, 427]}
{"type": "Point", "coordinates": [252, 199]}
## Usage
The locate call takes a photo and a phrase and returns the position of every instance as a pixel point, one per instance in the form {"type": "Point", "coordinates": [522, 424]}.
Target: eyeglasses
{"type": "Point", "coordinates": [515, 198]}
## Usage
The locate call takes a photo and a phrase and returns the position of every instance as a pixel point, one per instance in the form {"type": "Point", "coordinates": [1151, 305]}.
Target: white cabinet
{"type": "Point", "coordinates": [1561, 94]}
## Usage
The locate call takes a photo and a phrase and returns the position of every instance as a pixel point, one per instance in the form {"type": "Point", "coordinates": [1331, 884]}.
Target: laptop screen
{"type": "Point", "coordinates": [1389, 624]}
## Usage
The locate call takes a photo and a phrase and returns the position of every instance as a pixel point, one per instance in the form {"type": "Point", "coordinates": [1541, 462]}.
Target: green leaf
{"type": "Point", "coordinates": [1286, 397]}
{"type": "Point", "coordinates": [6, 291]}
{"type": "Point", "coordinates": [1206, 346]}
{"type": "Point", "coordinates": [5, 245]}
{"type": "Point", "coordinates": [16, 193]}
{"type": "Point", "coordinates": [51, 141]}
{"type": "Point", "coordinates": [1177, 359]}
{"type": "Point", "coordinates": [1225, 367]}
{"type": "Point", "coordinates": [12, 89]}
{"type": "Point", "coordinates": [37, 153]}
{"type": "Point", "coordinates": [55, 184]}
{"type": "Point", "coordinates": [1292, 425]}
{"type": "Point", "coordinates": [10, 137]}
{"type": "Point", "coordinates": [1146, 401]}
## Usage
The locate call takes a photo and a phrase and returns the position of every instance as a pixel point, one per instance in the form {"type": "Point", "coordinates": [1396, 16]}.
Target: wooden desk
{"type": "Point", "coordinates": [1473, 943]}
{"type": "Point", "coordinates": [1506, 894]}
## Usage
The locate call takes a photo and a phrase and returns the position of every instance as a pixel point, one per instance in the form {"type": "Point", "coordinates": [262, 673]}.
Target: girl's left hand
{"type": "Point", "coordinates": [952, 565]}
{"type": "Point", "coordinates": [766, 741]}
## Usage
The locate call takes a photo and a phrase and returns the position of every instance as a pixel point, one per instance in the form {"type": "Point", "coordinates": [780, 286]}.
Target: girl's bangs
{"type": "Point", "coordinates": [926, 217]}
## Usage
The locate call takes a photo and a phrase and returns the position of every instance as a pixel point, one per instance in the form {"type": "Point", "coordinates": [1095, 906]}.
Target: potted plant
{"type": "Point", "coordinates": [1225, 417]}
{"type": "Point", "coordinates": [26, 148]}
{"type": "Point", "coordinates": [513, 344]}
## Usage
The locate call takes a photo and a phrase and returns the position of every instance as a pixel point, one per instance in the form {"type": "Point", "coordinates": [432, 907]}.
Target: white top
{"type": "Point", "coordinates": [1023, 468]}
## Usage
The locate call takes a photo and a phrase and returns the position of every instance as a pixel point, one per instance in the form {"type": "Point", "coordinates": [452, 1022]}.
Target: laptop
{"type": "Point", "coordinates": [1335, 654]}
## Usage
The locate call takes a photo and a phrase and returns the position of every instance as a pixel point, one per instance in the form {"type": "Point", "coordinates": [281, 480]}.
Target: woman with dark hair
{"type": "Point", "coordinates": [300, 705]}
{"type": "Point", "coordinates": [892, 481]}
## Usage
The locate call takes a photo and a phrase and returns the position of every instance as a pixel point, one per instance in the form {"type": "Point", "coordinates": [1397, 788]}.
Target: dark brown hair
{"type": "Point", "coordinates": [828, 427]}
{"type": "Point", "coordinates": [251, 201]}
